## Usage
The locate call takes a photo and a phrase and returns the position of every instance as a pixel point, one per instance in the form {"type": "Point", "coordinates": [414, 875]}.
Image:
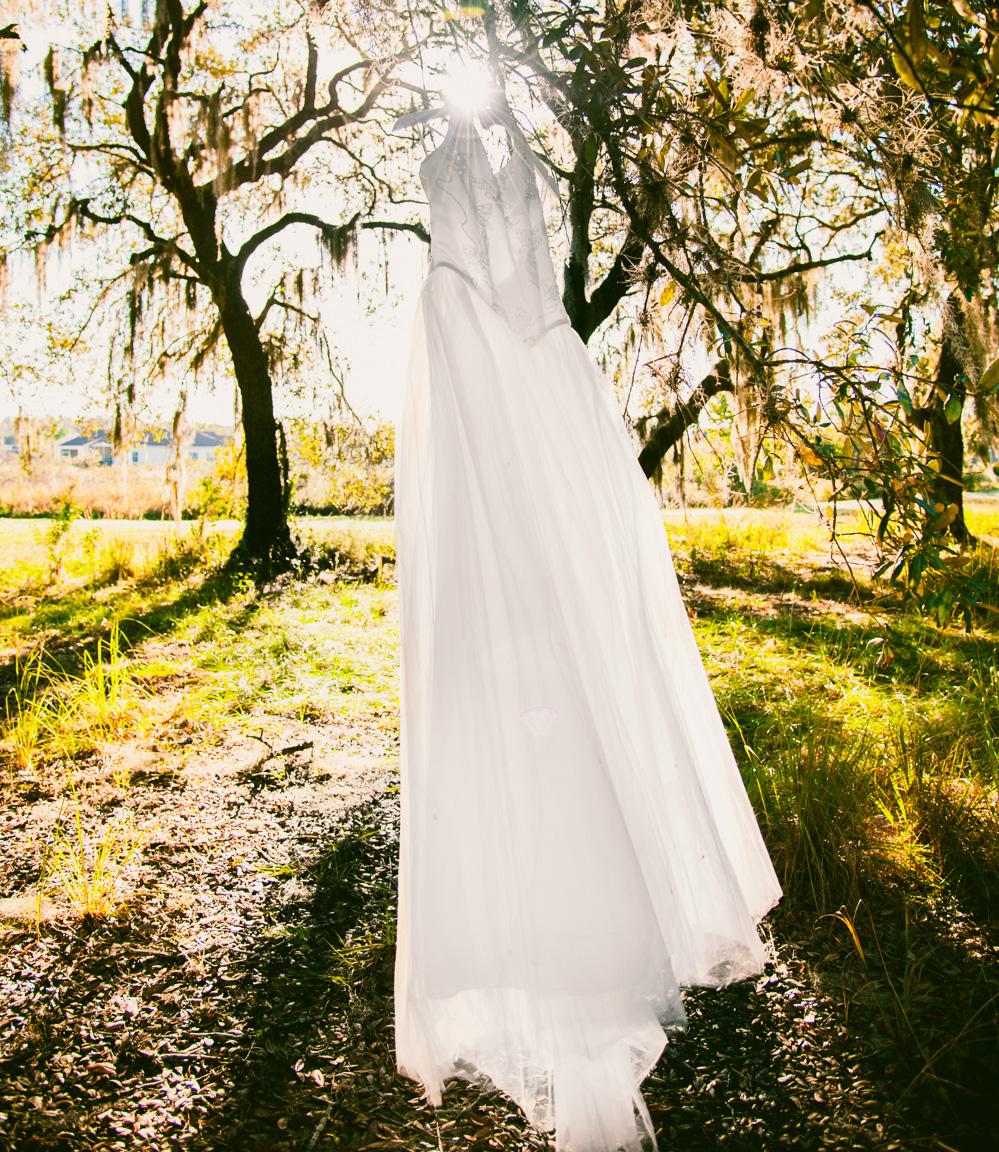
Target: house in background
{"type": "Point", "coordinates": [8, 435]}
{"type": "Point", "coordinates": [80, 448]}
{"type": "Point", "coordinates": [205, 444]}
{"type": "Point", "coordinates": [155, 447]}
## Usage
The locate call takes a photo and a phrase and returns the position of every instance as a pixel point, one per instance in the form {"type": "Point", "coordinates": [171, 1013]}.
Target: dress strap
{"type": "Point", "coordinates": [502, 116]}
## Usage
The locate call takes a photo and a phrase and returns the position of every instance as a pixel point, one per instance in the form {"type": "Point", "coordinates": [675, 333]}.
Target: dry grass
{"type": "Point", "coordinates": [107, 492]}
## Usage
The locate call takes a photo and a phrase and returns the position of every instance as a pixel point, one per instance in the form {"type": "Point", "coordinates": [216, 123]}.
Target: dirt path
{"type": "Point", "coordinates": [128, 1032]}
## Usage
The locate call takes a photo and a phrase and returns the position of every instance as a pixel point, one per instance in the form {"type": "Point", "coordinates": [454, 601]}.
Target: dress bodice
{"type": "Point", "coordinates": [489, 227]}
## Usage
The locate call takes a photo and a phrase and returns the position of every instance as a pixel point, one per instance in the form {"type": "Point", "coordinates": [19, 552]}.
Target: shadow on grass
{"type": "Point", "coordinates": [758, 572]}
{"type": "Point", "coordinates": [315, 996]}
{"type": "Point", "coordinates": [82, 631]}
{"type": "Point", "coordinates": [922, 657]}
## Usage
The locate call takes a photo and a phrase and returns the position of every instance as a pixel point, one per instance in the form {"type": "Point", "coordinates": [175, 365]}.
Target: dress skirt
{"type": "Point", "coordinates": [577, 843]}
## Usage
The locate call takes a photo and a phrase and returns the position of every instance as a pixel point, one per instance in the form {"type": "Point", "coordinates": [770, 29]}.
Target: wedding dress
{"type": "Point", "coordinates": [577, 843]}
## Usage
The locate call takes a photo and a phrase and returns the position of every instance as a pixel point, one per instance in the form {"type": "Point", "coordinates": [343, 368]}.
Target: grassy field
{"type": "Point", "coordinates": [198, 831]}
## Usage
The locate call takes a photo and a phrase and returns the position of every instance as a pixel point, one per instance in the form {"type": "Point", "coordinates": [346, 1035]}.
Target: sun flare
{"type": "Point", "coordinates": [469, 86]}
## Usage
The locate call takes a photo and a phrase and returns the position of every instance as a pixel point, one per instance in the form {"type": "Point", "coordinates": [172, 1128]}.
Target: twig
{"type": "Point", "coordinates": [320, 1127]}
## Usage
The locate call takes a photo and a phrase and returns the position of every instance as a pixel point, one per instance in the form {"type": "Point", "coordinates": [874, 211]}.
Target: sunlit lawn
{"type": "Point", "coordinates": [867, 736]}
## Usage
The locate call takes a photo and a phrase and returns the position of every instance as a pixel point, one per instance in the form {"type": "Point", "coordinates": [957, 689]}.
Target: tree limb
{"type": "Point", "coordinates": [286, 220]}
{"type": "Point", "coordinates": [671, 425]}
{"type": "Point", "coordinates": [805, 265]}
{"type": "Point", "coordinates": [390, 225]}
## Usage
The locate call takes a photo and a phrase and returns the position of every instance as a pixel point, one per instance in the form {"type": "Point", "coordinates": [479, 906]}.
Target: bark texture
{"type": "Point", "coordinates": [945, 438]}
{"type": "Point", "coordinates": [669, 425]}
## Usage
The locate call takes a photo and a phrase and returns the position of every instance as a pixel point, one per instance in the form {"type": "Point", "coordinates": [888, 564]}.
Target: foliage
{"type": "Point", "coordinates": [731, 164]}
{"type": "Point", "coordinates": [66, 512]}
{"type": "Point", "coordinates": [222, 494]}
{"type": "Point", "coordinates": [355, 461]}
{"type": "Point", "coordinates": [734, 179]}
{"type": "Point", "coordinates": [155, 134]}
{"type": "Point", "coordinates": [88, 871]}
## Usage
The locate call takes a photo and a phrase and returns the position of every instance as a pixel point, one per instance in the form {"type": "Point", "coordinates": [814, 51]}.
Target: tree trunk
{"type": "Point", "coordinates": [266, 540]}
{"type": "Point", "coordinates": [266, 545]}
{"type": "Point", "coordinates": [944, 438]}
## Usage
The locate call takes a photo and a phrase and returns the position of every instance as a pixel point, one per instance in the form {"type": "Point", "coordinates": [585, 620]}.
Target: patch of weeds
{"type": "Point", "coordinates": [53, 711]}
{"type": "Point", "coordinates": [28, 714]}
{"type": "Point", "coordinates": [813, 792]}
{"type": "Point", "coordinates": [180, 556]}
{"type": "Point", "coordinates": [88, 871]}
{"type": "Point", "coordinates": [65, 512]}
{"type": "Point", "coordinates": [958, 823]}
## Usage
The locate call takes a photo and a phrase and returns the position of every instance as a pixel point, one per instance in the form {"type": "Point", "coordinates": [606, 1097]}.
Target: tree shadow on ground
{"type": "Point", "coordinates": [764, 1064]}
{"type": "Point", "coordinates": [142, 623]}
{"type": "Point", "coordinates": [921, 655]}
{"type": "Point", "coordinates": [316, 996]}
{"type": "Point", "coordinates": [283, 1040]}
{"type": "Point", "coordinates": [760, 573]}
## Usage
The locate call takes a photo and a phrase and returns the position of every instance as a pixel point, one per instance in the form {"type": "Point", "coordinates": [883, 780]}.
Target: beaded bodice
{"type": "Point", "coordinates": [489, 227]}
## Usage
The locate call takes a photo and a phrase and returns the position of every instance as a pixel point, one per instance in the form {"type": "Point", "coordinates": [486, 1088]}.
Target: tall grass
{"type": "Point", "coordinates": [890, 796]}
{"type": "Point", "coordinates": [814, 793]}
{"type": "Point", "coordinates": [53, 711]}
{"type": "Point", "coordinates": [88, 870]}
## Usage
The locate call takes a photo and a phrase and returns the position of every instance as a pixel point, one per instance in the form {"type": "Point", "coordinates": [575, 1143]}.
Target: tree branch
{"type": "Point", "coordinates": [252, 167]}
{"type": "Point", "coordinates": [274, 302]}
{"type": "Point", "coordinates": [417, 229]}
{"type": "Point", "coordinates": [614, 286]}
{"type": "Point", "coordinates": [328, 230]}
{"type": "Point", "coordinates": [805, 265]}
{"type": "Point", "coordinates": [671, 426]}
{"type": "Point", "coordinates": [159, 243]}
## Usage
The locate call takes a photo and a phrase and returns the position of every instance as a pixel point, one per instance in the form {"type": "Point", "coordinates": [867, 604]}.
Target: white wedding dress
{"type": "Point", "coordinates": [577, 843]}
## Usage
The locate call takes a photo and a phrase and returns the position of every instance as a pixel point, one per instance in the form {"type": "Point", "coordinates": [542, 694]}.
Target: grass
{"type": "Point", "coordinates": [98, 656]}
{"type": "Point", "coordinates": [873, 768]}
{"type": "Point", "coordinates": [87, 871]}
{"type": "Point", "coordinates": [53, 712]}
{"type": "Point", "coordinates": [868, 737]}
{"type": "Point", "coordinates": [851, 758]}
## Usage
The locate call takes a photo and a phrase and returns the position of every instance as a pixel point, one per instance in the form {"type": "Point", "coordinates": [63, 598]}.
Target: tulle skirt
{"type": "Point", "coordinates": [577, 843]}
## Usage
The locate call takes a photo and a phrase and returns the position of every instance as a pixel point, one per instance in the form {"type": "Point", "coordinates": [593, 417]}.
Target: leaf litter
{"type": "Point", "coordinates": [241, 998]}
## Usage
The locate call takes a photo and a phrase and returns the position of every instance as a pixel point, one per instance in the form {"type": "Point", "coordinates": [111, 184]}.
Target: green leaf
{"type": "Point", "coordinates": [989, 380]}
{"type": "Point", "coordinates": [905, 72]}
{"type": "Point", "coordinates": [743, 100]}
{"type": "Point", "coordinates": [716, 92]}
{"type": "Point", "coordinates": [917, 30]}
{"type": "Point", "coordinates": [904, 399]}
{"type": "Point", "coordinates": [952, 409]}
{"type": "Point", "coordinates": [793, 173]}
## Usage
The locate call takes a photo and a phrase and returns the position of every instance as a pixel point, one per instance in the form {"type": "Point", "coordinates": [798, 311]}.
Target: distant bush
{"type": "Point", "coordinates": [343, 469]}
{"type": "Point", "coordinates": [222, 494]}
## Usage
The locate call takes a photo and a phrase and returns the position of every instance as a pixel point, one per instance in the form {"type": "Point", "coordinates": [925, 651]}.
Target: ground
{"type": "Point", "coordinates": [199, 828]}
